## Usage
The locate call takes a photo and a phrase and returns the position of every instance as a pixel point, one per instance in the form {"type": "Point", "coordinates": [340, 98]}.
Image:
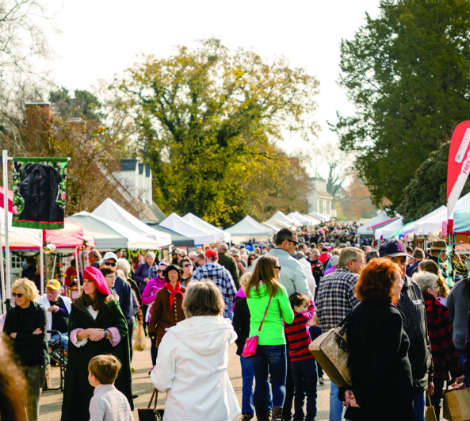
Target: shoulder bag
{"type": "Point", "coordinates": [151, 413]}
{"type": "Point", "coordinates": [457, 402]}
{"type": "Point", "coordinates": [249, 349]}
{"type": "Point", "coordinates": [331, 350]}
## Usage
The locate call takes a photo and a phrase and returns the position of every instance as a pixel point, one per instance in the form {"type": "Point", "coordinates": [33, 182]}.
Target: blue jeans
{"type": "Point", "coordinates": [336, 406]}
{"type": "Point", "coordinates": [248, 375]}
{"type": "Point", "coordinates": [269, 359]}
{"type": "Point", "coordinates": [304, 374]}
{"type": "Point", "coordinates": [418, 406]}
{"type": "Point", "coordinates": [463, 360]}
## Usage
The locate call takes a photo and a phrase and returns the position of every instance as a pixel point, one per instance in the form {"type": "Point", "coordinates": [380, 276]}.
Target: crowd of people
{"type": "Point", "coordinates": [407, 328]}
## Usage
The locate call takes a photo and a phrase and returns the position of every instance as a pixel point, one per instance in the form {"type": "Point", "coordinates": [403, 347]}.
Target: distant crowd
{"type": "Point", "coordinates": [407, 328]}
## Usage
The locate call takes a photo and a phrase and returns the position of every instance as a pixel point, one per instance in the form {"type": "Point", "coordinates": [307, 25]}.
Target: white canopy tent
{"type": "Point", "coordinates": [366, 229]}
{"type": "Point", "coordinates": [321, 218]}
{"type": "Point", "coordinates": [280, 219]}
{"type": "Point", "coordinates": [219, 234]}
{"type": "Point", "coordinates": [109, 210]}
{"type": "Point", "coordinates": [313, 220]}
{"type": "Point", "coordinates": [275, 225]}
{"type": "Point", "coordinates": [271, 226]}
{"type": "Point", "coordinates": [111, 235]}
{"type": "Point", "coordinates": [389, 230]}
{"type": "Point", "coordinates": [300, 219]}
{"type": "Point", "coordinates": [181, 226]}
{"type": "Point", "coordinates": [19, 238]}
{"type": "Point", "coordinates": [432, 222]}
{"type": "Point", "coordinates": [247, 229]}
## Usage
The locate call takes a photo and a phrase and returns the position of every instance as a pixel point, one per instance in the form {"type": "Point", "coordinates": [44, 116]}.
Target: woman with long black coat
{"type": "Point", "coordinates": [379, 364]}
{"type": "Point", "coordinates": [97, 326]}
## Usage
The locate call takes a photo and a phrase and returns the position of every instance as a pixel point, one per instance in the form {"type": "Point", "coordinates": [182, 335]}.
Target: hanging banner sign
{"type": "Point", "coordinates": [39, 187]}
{"type": "Point", "coordinates": [458, 166]}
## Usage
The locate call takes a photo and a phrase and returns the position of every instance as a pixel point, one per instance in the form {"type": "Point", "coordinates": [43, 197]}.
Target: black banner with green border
{"type": "Point", "coordinates": [39, 187]}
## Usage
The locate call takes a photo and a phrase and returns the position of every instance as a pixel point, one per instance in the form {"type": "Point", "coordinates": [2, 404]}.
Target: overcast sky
{"type": "Point", "coordinates": [96, 39]}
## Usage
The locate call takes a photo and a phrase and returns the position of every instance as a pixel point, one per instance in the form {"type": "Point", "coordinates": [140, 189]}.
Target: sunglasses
{"type": "Point", "coordinates": [187, 266]}
{"type": "Point", "coordinates": [293, 242]}
{"type": "Point", "coordinates": [19, 295]}
{"type": "Point", "coordinates": [110, 263]}
{"type": "Point", "coordinates": [277, 267]}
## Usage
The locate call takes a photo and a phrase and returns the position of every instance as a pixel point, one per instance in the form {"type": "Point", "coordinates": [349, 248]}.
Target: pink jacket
{"type": "Point", "coordinates": [151, 289]}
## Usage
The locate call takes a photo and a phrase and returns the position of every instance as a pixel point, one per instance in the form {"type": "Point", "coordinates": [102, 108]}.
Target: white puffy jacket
{"type": "Point", "coordinates": [192, 368]}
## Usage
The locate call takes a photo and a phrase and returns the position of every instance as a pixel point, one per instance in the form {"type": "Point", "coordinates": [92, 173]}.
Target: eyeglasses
{"type": "Point", "coordinates": [110, 263]}
{"type": "Point", "coordinates": [293, 242]}
{"type": "Point", "coordinates": [277, 267]}
{"type": "Point", "coordinates": [187, 266]}
{"type": "Point", "coordinates": [19, 295]}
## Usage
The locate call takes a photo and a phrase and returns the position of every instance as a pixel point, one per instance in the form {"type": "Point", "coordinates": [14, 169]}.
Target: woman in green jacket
{"type": "Point", "coordinates": [270, 354]}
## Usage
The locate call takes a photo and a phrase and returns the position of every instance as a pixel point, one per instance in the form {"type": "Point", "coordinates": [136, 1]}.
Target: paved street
{"type": "Point", "coordinates": [51, 400]}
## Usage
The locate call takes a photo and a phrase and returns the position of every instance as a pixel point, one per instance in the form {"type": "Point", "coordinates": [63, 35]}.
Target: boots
{"type": "Point", "coordinates": [277, 413]}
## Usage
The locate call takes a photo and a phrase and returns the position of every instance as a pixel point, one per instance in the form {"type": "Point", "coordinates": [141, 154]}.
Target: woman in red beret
{"type": "Point", "coordinates": [96, 326]}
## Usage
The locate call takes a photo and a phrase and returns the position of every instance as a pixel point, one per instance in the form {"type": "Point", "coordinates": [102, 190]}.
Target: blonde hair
{"type": "Point", "coordinates": [27, 288]}
{"type": "Point", "coordinates": [245, 280]}
{"type": "Point", "coordinates": [124, 265]}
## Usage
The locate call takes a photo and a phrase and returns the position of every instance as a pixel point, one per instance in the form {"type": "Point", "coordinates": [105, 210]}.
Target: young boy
{"type": "Point", "coordinates": [303, 365]}
{"type": "Point", "coordinates": [107, 403]}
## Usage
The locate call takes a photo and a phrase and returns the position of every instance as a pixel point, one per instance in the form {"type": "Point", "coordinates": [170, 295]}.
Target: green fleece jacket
{"type": "Point", "coordinates": [272, 332]}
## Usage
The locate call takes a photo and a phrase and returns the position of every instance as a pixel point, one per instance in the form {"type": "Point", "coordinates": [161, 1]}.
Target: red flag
{"type": "Point", "coordinates": [458, 166]}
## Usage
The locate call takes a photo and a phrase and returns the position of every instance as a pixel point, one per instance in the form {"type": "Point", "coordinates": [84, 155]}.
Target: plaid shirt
{"type": "Point", "coordinates": [153, 270]}
{"type": "Point", "coordinates": [335, 298]}
{"type": "Point", "coordinates": [444, 354]}
{"type": "Point", "coordinates": [222, 278]}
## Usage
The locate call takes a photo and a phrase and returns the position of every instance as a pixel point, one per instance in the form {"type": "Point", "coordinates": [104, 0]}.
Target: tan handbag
{"type": "Point", "coordinates": [331, 351]}
{"type": "Point", "coordinates": [430, 412]}
{"type": "Point", "coordinates": [457, 404]}
{"type": "Point", "coordinates": [139, 342]}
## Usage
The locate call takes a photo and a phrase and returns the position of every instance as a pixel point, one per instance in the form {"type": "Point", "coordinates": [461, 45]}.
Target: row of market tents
{"type": "Point", "coordinates": [110, 227]}
{"type": "Point", "coordinates": [383, 226]}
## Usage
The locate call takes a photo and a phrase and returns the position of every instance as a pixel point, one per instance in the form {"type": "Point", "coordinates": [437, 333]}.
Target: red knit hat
{"type": "Point", "coordinates": [211, 254]}
{"type": "Point", "coordinates": [94, 274]}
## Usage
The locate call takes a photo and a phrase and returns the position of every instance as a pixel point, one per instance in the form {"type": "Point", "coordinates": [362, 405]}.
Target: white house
{"type": "Point", "coordinates": [319, 200]}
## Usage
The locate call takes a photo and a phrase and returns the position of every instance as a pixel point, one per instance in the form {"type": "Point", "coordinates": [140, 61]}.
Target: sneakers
{"type": "Point", "coordinates": [246, 417]}
{"type": "Point", "coordinates": [321, 381]}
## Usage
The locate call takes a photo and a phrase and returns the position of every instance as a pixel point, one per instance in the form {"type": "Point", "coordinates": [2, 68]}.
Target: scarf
{"type": "Point", "coordinates": [173, 292]}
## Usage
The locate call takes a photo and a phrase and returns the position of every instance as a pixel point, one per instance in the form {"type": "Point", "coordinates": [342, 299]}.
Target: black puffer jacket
{"type": "Point", "coordinates": [241, 322]}
{"type": "Point", "coordinates": [413, 310]}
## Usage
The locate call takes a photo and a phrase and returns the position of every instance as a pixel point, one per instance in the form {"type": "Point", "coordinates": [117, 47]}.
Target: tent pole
{"type": "Point", "coordinates": [53, 266]}
{"type": "Point", "coordinates": [77, 268]}
{"type": "Point", "coordinates": [5, 208]}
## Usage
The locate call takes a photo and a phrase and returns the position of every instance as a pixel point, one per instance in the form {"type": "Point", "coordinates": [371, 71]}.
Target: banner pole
{"type": "Point", "coordinates": [2, 275]}
{"type": "Point", "coordinates": [7, 244]}
{"type": "Point", "coordinates": [41, 261]}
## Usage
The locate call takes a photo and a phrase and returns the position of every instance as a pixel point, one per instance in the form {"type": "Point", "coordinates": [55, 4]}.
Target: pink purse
{"type": "Point", "coordinates": [249, 349]}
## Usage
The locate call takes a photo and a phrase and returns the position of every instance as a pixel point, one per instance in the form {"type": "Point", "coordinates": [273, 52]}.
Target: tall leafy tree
{"type": "Point", "coordinates": [83, 104]}
{"type": "Point", "coordinates": [207, 120]}
{"type": "Point", "coordinates": [407, 72]}
{"type": "Point", "coordinates": [428, 188]}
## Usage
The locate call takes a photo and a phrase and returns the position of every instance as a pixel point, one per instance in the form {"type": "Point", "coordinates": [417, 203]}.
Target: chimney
{"type": "Point", "coordinates": [38, 112]}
